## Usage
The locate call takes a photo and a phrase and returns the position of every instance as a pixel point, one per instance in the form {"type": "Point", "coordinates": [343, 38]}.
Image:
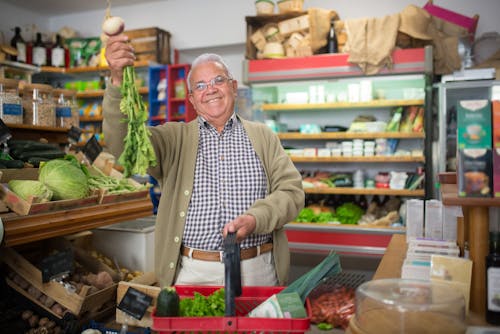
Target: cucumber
{"type": "Point", "coordinates": [48, 154]}
{"type": "Point", "coordinates": [13, 163]}
{"type": "Point", "coordinates": [167, 303]}
{"type": "Point", "coordinates": [35, 161]}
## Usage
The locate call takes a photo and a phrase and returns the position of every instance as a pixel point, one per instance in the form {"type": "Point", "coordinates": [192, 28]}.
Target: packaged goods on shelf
{"type": "Point", "coordinates": [84, 51]}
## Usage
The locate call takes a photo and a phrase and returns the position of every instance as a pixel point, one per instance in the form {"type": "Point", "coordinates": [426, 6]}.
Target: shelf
{"type": "Point", "coordinates": [360, 159]}
{"type": "Point", "coordinates": [35, 132]}
{"type": "Point", "coordinates": [350, 135]}
{"type": "Point", "coordinates": [100, 93]}
{"type": "Point", "coordinates": [91, 118]}
{"type": "Point", "coordinates": [366, 191]}
{"type": "Point", "coordinates": [339, 105]}
{"type": "Point", "coordinates": [364, 240]}
{"type": "Point", "coordinates": [85, 69]}
{"type": "Point", "coordinates": [24, 229]}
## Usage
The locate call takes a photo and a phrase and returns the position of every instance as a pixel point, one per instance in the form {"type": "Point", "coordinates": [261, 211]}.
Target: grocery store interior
{"type": "Point", "coordinates": [389, 110]}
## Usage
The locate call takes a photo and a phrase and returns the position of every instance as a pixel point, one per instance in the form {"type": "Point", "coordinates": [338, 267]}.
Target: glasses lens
{"type": "Point", "coordinates": [200, 86]}
{"type": "Point", "coordinates": [219, 80]}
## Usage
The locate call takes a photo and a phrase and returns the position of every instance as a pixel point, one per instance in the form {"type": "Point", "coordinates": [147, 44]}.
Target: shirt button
{"type": "Point", "coordinates": [182, 214]}
{"type": "Point", "coordinates": [171, 265]}
{"type": "Point", "coordinates": [186, 192]}
{"type": "Point", "coordinates": [176, 239]}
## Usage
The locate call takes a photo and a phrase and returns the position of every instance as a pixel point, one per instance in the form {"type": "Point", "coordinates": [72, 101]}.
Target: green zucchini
{"type": "Point", "coordinates": [13, 163]}
{"type": "Point", "coordinates": [48, 154]}
{"type": "Point", "coordinates": [35, 161]}
{"type": "Point", "coordinates": [167, 303]}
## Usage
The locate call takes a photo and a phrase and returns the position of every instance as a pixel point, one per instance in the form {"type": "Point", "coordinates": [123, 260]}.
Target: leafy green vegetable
{"type": "Point", "coordinates": [27, 188]}
{"type": "Point", "coordinates": [138, 153]}
{"type": "Point", "coordinates": [65, 178]}
{"type": "Point", "coordinates": [112, 185]}
{"type": "Point", "coordinates": [324, 326]}
{"type": "Point", "coordinates": [201, 306]}
{"type": "Point", "coordinates": [349, 213]}
{"type": "Point", "coordinates": [307, 215]}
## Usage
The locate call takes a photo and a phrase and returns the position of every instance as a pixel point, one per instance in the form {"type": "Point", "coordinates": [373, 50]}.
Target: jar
{"type": "Point", "coordinates": [39, 106]}
{"type": "Point", "coordinates": [67, 114]}
{"type": "Point", "coordinates": [11, 108]}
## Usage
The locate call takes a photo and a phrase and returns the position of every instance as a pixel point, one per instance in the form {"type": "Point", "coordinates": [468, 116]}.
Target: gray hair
{"type": "Point", "coordinates": [207, 58]}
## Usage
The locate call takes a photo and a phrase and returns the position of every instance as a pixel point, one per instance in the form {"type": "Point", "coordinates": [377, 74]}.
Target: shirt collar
{"type": "Point", "coordinates": [230, 124]}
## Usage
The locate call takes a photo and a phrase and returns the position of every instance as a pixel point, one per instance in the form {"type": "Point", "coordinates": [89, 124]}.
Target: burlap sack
{"type": "Point", "coordinates": [319, 23]}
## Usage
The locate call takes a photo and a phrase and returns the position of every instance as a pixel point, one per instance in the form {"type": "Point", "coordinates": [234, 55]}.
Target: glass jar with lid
{"type": "Point", "coordinates": [67, 113]}
{"type": "Point", "coordinates": [39, 106]}
{"type": "Point", "coordinates": [11, 108]}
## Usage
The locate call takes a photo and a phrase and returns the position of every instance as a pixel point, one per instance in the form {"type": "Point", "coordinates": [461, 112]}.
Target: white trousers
{"type": "Point", "coordinates": [258, 271]}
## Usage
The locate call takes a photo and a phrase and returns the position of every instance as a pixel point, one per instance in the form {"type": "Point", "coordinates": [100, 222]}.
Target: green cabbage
{"type": "Point", "coordinates": [65, 178]}
{"type": "Point", "coordinates": [27, 188]}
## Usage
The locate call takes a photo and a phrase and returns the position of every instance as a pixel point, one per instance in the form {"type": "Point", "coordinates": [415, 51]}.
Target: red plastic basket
{"type": "Point", "coordinates": [249, 299]}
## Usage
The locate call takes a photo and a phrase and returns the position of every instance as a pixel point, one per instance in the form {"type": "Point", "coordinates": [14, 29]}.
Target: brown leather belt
{"type": "Point", "coordinates": [245, 254]}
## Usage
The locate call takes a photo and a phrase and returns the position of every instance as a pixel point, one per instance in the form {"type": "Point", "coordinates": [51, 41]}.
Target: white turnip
{"type": "Point", "coordinates": [113, 25]}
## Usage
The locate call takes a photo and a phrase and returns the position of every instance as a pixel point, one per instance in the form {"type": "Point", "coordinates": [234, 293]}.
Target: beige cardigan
{"type": "Point", "coordinates": [176, 146]}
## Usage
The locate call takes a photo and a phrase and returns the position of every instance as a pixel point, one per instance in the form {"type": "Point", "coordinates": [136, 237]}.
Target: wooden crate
{"type": "Point", "coordinates": [254, 23]}
{"type": "Point", "coordinates": [145, 285]}
{"type": "Point", "coordinates": [76, 303]}
{"type": "Point", "coordinates": [150, 44]}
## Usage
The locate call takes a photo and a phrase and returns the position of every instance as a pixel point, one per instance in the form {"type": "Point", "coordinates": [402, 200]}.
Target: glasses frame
{"type": "Point", "coordinates": [202, 86]}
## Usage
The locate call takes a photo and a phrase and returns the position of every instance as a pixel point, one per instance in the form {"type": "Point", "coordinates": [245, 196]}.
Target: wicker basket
{"type": "Point", "coordinates": [290, 6]}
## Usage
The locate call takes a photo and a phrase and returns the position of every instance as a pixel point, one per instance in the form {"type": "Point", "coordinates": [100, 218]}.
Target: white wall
{"type": "Point", "coordinates": [219, 25]}
{"type": "Point", "coordinates": [11, 17]}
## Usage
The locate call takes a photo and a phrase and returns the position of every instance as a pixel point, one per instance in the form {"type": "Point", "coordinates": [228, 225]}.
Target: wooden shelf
{"type": "Point", "coordinates": [35, 132]}
{"type": "Point", "coordinates": [360, 159]}
{"type": "Point", "coordinates": [339, 105]}
{"type": "Point", "coordinates": [85, 69]}
{"type": "Point", "coordinates": [365, 191]}
{"type": "Point", "coordinates": [350, 135]}
{"type": "Point", "coordinates": [449, 193]}
{"type": "Point", "coordinates": [100, 93]}
{"type": "Point", "coordinates": [24, 229]}
{"type": "Point", "coordinates": [91, 118]}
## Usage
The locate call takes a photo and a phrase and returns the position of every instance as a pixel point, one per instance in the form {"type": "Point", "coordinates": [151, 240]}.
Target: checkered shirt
{"type": "Point", "coordinates": [228, 179]}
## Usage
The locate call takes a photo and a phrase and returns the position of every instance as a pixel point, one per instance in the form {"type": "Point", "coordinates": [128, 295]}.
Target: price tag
{"type": "Point", "coordinates": [5, 134]}
{"type": "Point", "coordinates": [57, 265]}
{"type": "Point", "coordinates": [92, 149]}
{"type": "Point", "coordinates": [74, 134]}
{"type": "Point", "coordinates": [135, 303]}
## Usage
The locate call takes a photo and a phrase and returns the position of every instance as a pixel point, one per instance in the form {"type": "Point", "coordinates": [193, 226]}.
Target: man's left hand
{"type": "Point", "coordinates": [243, 225]}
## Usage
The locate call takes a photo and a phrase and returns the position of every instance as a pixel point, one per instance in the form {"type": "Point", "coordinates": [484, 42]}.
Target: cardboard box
{"type": "Point", "coordinates": [474, 172]}
{"type": "Point", "coordinates": [414, 219]}
{"type": "Point", "coordinates": [433, 226]}
{"type": "Point", "coordinates": [150, 44]}
{"type": "Point", "coordinates": [474, 124]}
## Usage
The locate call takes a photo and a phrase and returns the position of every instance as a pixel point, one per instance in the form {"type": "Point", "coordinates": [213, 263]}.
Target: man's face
{"type": "Point", "coordinates": [213, 93]}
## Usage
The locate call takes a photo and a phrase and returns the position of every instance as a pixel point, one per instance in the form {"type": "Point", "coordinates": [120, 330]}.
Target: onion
{"type": "Point", "coordinates": [113, 25]}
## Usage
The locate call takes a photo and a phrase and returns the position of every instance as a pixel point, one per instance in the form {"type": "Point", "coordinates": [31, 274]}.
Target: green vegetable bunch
{"type": "Point", "coordinates": [203, 306]}
{"type": "Point", "coordinates": [349, 213]}
{"type": "Point", "coordinates": [138, 153]}
{"type": "Point", "coordinates": [112, 185]}
{"type": "Point", "coordinates": [307, 215]}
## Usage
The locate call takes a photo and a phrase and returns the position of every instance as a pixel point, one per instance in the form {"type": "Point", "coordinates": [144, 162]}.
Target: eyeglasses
{"type": "Point", "coordinates": [217, 81]}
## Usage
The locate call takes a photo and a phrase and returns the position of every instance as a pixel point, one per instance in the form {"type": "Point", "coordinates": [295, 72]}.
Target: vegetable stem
{"type": "Point", "coordinates": [138, 153]}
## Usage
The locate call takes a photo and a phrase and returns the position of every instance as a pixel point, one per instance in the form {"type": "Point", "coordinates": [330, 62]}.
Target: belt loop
{"type": "Point", "coordinates": [258, 250]}
{"type": "Point", "coordinates": [190, 253]}
{"type": "Point", "coordinates": [221, 253]}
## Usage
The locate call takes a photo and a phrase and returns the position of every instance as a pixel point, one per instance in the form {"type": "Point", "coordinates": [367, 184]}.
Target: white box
{"type": "Point", "coordinates": [414, 219]}
{"type": "Point", "coordinates": [433, 227]}
{"type": "Point", "coordinates": [450, 216]}
{"type": "Point", "coordinates": [130, 242]}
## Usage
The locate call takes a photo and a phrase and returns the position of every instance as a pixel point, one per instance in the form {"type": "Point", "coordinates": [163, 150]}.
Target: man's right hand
{"type": "Point", "coordinates": [119, 54]}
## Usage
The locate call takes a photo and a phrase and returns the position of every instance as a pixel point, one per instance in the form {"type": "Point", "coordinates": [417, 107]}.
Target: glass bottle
{"type": "Point", "coordinates": [39, 51]}
{"type": "Point", "coordinates": [57, 53]}
{"type": "Point", "coordinates": [19, 44]}
{"type": "Point", "coordinates": [333, 46]}
{"type": "Point", "coordinates": [493, 280]}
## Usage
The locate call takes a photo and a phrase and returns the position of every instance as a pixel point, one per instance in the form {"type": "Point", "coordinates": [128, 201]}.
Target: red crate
{"type": "Point", "coordinates": [249, 299]}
